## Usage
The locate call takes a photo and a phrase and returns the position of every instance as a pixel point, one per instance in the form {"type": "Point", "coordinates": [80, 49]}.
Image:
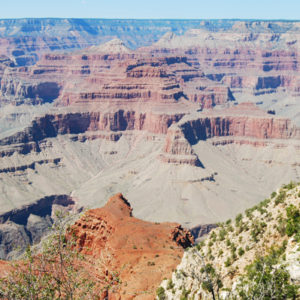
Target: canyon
{"type": "Point", "coordinates": [193, 114]}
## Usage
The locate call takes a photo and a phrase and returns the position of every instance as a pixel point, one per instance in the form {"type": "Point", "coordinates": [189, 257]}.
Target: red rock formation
{"type": "Point", "coordinates": [244, 120]}
{"type": "Point", "coordinates": [243, 124]}
{"type": "Point", "coordinates": [75, 123]}
{"type": "Point", "coordinates": [93, 76]}
{"type": "Point", "coordinates": [143, 253]}
{"type": "Point", "coordinates": [264, 62]}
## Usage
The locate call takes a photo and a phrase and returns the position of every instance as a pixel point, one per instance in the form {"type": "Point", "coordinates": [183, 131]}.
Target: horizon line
{"type": "Point", "coordinates": [156, 19]}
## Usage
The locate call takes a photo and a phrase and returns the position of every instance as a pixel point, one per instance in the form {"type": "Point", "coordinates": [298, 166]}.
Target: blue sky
{"type": "Point", "coordinates": [152, 9]}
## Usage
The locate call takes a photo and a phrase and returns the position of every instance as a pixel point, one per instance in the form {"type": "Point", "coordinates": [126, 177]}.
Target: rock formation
{"type": "Point", "coordinates": [131, 247]}
{"type": "Point", "coordinates": [141, 253]}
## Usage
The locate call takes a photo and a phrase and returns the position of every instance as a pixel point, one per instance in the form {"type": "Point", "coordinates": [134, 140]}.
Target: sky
{"type": "Point", "coordinates": [152, 9]}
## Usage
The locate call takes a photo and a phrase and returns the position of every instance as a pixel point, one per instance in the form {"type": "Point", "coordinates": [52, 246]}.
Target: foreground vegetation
{"type": "Point", "coordinates": [249, 257]}
{"type": "Point", "coordinates": [56, 271]}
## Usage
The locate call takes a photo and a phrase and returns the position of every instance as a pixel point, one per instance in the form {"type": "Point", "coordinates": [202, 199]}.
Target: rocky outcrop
{"type": "Point", "coordinates": [115, 242]}
{"type": "Point", "coordinates": [202, 230]}
{"type": "Point", "coordinates": [41, 207]}
{"type": "Point", "coordinates": [252, 60]}
{"type": "Point", "coordinates": [30, 166]}
{"type": "Point", "coordinates": [27, 91]}
{"type": "Point", "coordinates": [13, 240]}
{"type": "Point", "coordinates": [177, 149]}
{"type": "Point", "coordinates": [133, 248]}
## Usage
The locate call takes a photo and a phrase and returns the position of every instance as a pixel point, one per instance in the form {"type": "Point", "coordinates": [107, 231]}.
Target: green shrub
{"type": "Point", "coordinates": [213, 236]}
{"type": "Point", "coordinates": [220, 252]}
{"type": "Point", "coordinates": [170, 284]}
{"type": "Point", "coordinates": [273, 195]}
{"type": "Point", "coordinates": [290, 185]}
{"type": "Point", "coordinates": [227, 262]}
{"type": "Point", "coordinates": [238, 219]}
{"type": "Point", "coordinates": [280, 198]}
{"type": "Point", "coordinates": [184, 294]}
{"type": "Point", "coordinates": [249, 213]}
{"type": "Point", "coordinates": [230, 228]}
{"type": "Point", "coordinates": [257, 229]}
{"type": "Point", "coordinates": [160, 292]}
{"type": "Point", "coordinates": [222, 234]}
{"type": "Point", "coordinates": [232, 247]}
{"type": "Point", "coordinates": [233, 256]}
{"type": "Point", "coordinates": [281, 226]}
{"type": "Point", "coordinates": [293, 222]}
{"type": "Point", "coordinates": [228, 222]}
{"type": "Point", "coordinates": [265, 278]}
{"type": "Point", "coordinates": [200, 245]}
{"type": "Point", "coordinates": [241, 251]}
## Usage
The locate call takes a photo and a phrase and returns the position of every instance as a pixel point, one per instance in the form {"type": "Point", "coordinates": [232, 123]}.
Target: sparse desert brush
{"type": "Point", "coordinates": [55, 272]}
{"type": "Point", "coordinates": [250, 253]}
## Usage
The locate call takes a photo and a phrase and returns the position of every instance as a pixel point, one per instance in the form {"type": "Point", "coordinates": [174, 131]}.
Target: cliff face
{"type": "Point", "coordinates": [257, 61]}
{"type": "Point", "coordinates": [243, 124]}
{"type": "Point", "coordinates": [99, 74]}
{"type": "Point", "coordinates": [75, 123]}
{"type": "Point", "coordinates": [242, 121]}
{"type": "Point", "coordinates": [245, 121]}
